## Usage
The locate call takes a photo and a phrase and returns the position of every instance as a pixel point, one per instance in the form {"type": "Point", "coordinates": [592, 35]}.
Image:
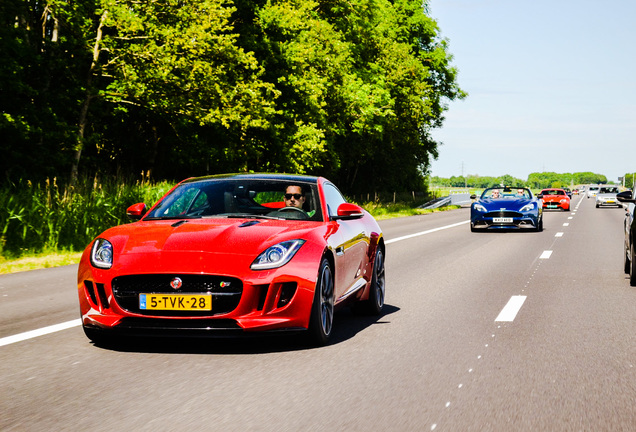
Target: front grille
{"type": "Point", "coordinates": [226, 292]}
{"type": "Point", "coordinates": [503, 213]}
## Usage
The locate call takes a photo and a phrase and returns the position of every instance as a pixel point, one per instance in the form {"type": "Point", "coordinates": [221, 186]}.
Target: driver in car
{"type": "Point", "coordinates": [295, 197]}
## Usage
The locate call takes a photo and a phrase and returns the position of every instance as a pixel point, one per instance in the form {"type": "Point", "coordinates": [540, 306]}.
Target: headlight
{"type": "Point", "coordinates": [527, 207]}
{"type": "Point", "coordinates": [564, 200]}
{"type": "Point", "coordinates": [102, 254]}
{"type": "Point", "coordinates": [277, 255]}
{"type": "Point", "coordinates": [480, 208]}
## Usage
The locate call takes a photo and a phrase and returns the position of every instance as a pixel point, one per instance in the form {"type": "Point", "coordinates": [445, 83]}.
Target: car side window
{"type": "Point", "coordinates": [334, 198]}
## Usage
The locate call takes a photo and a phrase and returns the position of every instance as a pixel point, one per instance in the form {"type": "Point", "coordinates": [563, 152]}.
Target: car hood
{"type": "Point", "coordinates": [606, 195]}
{"type": "Point", "coordinates": [506, 203]}
{"type": "Point", "coordinates": [215, 246]}
{"type": "Point", "coordinates": [239, 236]}
{"type": "Point", "coordinates": [554, 197]}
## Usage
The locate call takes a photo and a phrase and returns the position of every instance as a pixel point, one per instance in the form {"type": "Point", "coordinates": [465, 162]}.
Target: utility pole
{"type": "Point", "coordinates": [465, 182]}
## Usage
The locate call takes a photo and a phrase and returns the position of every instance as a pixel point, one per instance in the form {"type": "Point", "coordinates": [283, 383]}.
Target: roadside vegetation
{"type": "Point", "coordinates": [48, 225]}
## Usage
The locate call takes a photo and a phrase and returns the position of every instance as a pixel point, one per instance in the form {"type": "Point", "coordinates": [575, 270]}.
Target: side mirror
{"type": "Point", "coordinates": [625, 196]}
{"type": "Point", "coordinates": [136, 211]}
{"type": "Point", "coordinates": [348, 211]}
{"type": "Point", "coordinates": [540, 196]}
{"type": "Point", "coordinates": [473, 196]}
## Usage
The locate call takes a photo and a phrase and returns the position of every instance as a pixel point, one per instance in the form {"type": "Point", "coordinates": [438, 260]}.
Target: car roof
{"type": "Point", "coordinates": [256, 176]}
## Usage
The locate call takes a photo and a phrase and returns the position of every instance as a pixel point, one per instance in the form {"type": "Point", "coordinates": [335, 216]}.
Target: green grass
{"type": "Point", "coordinates": [39, 261]}
{"type": "Point", "coordinates": [389, 211]}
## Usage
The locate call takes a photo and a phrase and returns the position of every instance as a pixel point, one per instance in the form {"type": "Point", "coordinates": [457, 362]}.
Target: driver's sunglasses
{"type": "Point", "coordinates": [296, 196]}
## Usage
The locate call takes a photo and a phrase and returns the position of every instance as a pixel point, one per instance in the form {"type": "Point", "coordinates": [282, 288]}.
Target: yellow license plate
{"type": "Point", "coordinates": [185, 302]}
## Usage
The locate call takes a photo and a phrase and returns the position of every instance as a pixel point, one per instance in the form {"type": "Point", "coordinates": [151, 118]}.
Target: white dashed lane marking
{"type": "Point", "coordinates": [510, 311]}
{"type": "Point", "coordinates": [546, 254]}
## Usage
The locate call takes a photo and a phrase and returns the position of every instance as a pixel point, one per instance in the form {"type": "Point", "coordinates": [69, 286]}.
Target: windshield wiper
{"type": "Point", "coordinates": [173, 217]}
{"type": "Point", "coordinates": [249, 216]}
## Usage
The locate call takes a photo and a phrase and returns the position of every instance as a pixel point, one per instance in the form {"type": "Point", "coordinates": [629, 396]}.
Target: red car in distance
{"type": "Point", "coordinates": [233, 255]}
{"type": "Point", "coordinates": [555, 198]}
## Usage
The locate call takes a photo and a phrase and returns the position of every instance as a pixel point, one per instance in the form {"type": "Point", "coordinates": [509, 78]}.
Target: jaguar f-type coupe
{"type": "Point", "coordinates": [232, 255]}
{"type": "Point", "coordinates": [506, 208]}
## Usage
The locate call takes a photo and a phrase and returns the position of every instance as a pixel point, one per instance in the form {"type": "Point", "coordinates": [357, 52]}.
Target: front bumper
{"type": "Point", "coordinates": [242, 301]}
{"type": "Point", "coordinates": [504, 220]}
{"type": "Point", "coordinates": [554, 205]}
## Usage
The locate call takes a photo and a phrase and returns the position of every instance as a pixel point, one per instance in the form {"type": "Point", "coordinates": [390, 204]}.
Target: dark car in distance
{"type": "Point", "coordinates": [630, 230]}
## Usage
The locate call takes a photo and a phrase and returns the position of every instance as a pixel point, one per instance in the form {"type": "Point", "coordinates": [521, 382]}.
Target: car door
{"type": "Point", "coordinates": [350, 244]}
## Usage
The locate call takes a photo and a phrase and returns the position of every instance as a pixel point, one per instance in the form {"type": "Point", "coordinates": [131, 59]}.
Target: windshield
{"type": "Point", "coordinates": [241, 198]}
{"type": "Point", "coordinates": [610, 190]}
{"type": "Point", "coordinates": [553, 192]}
{"type": "Point", "coordinates": [506, 192]}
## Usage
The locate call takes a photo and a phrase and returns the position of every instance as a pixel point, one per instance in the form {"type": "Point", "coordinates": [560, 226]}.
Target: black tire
{"type": "Point", "coordinates": [321, 320]}
{"type": "Point", "coordinates": [632, 266]}
{"type": "Point", "coordinates": [540, 225]}
{"type": "Point", "coordinates": [375, 303]}
{"type": "Point", "coordinates": [626, 263]}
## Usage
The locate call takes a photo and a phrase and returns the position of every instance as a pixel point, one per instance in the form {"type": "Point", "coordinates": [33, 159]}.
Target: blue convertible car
{"type": "Point", "coordinates": [506, 208]}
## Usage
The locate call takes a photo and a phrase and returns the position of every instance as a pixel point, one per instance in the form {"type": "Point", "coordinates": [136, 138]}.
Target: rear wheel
{"type": "Point", "coordinates": [373, 306]}
{"type": "Point", "coordinates": [626, 263]}
{"type": "Point", "coordinates": [321, 320]}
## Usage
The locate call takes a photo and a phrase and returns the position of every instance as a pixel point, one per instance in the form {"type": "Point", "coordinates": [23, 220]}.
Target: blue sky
{"type": "Point", "coordinates": [551, 83]}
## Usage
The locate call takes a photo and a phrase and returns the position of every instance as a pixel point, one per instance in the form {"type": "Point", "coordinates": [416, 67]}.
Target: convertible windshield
{"type": "Point", "coordinates": [241, 198]}
{"type": "Point", "coordinates": [506, 192]}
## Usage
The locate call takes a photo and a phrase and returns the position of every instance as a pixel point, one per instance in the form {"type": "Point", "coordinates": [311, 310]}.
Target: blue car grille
{"type": "Point", "coordinates": [226, 292]}
{"type": "Point", "coordinates": [509, 214]}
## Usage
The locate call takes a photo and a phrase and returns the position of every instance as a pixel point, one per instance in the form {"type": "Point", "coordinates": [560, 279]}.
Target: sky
{"type": "Point", "coordinates": [551, 87]}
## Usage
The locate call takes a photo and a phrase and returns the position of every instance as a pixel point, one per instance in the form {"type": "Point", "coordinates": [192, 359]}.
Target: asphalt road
{"type": "Point", "coordinates": [562, 359]}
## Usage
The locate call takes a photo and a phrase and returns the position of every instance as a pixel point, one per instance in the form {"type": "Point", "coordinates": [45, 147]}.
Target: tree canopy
{"type": "Point", "coordinates": [346, 89]}
{"type": "Point", "coordinates": [538, 180]}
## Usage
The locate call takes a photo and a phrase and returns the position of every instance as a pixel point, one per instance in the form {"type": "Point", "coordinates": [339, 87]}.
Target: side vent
{"type": "Point", "coordinates": [262, 295]}
{"type": "Point", "coordinates": [103, 299]}
{"type": "Point", "coordinates": [90, 289]}
{"type": "Point", "coordinates": [287, 291]}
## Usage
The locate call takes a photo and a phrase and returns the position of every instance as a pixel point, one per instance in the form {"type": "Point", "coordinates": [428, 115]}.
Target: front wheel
{"type": "Point", "coordinates": [321, 319]}
{"type": "Point", "coordinates": [540, 224]}
{"type": "Point", "coordinates": [626, 262]}
{"type": "Point", "coordinates": [632, 267]}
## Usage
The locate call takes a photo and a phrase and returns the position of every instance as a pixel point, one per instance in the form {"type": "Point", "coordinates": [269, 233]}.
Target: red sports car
{"type": "Point", "coordinates": [555, 199]}
{"type": "Point", "coordinates": [234, 254]}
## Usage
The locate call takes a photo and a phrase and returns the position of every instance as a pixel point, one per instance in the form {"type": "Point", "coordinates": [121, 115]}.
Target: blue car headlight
{"type": "Point", "coordinates": [102, 254]}
{"type": "Point", "coordinates": [527, 207]}
{"type": "Point", "coordinates": [480, 208]}
{"type": "Point", "coordinates": [277, 255]}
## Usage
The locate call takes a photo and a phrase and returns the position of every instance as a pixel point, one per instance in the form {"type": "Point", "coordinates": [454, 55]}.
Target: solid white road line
{"type": "Point", "coordinates": [510, 311]}
{"type": "Point", "coordinates": [39, 332]}
{"type": "Point", "coordinates": [425, 232]}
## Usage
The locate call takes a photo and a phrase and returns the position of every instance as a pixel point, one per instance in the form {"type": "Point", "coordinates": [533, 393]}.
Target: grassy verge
{"type": "Point", "coordinates": [60, 258]}
{"type": "Point", "coordinates": [40, 261]}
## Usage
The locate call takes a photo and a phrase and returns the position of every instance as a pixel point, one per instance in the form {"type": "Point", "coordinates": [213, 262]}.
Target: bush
{"type": "Point", "coordinates": [46, 217]}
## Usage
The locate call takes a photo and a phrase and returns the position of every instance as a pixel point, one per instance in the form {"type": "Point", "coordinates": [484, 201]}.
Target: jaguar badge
{"type": "Point", "coordinates": [176, 283]}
